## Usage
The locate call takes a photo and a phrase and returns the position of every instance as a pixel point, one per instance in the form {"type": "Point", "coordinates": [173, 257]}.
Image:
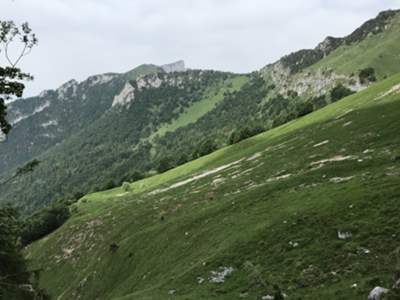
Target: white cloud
{"type": "Point", "coordinates": [79, 38]}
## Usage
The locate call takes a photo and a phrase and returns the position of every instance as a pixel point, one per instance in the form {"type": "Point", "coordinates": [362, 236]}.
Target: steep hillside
{"type": "Point", "coordinates": [339, 60]}
{"type": "Point", "coordinates": [116, 145]}
{"type": "Point", "coordinates": [135, 126]}
{"type": "Point", "coordinates": [310, 207]}
{"type": "Point", "coordinates": [378, 49]}
{"type": "Point", "coordinates": [46, 120]}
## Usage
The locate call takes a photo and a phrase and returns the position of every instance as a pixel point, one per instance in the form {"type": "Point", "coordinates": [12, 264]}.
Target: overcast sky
{"type": "Point", "coordinates": [79, 38]}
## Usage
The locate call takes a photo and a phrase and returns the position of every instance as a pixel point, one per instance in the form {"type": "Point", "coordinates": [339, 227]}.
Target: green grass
{"type": "Point", "coordinates": [200, 108]}
{"type": "Point", "coordinates": [379, 51]}
{"type": "Point", "coordinates": [247, 216]}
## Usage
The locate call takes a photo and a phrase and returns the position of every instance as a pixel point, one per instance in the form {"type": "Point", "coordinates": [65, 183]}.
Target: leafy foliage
{"type": "Point", "coordinates": [44, 222]}
{"type": "Point", "coordinates": [11, 76]}
{"type": "Point", "coordinates": [367, 75]}
{"type": "Point", "coordinates": [164, 165]}
{"type": "Point", "coordinates": [304, 108]}
{"type": "Point", "coordinates": [206, 147]}
{"type": "Point", "coordinates": [339, 92]}
{"type": "Point", "coordinates": [319, 101]}
{"type": "Point", "coordinates": [116, 146]}
{"type": "Point", "coordinates": [300, 60]}
{"type": "Point", "coordinates": [42, 122]}
{"type": "Point", "coordinates": [126, 187]}
{"type": "Point", "coordinates": [13, 270]}
{"type": "Point", "coordinates": [15, 279]}
{"type": "Point", "coordinates": [244, 133]}
{"type": "Point", "coordinates": [10, 86]}
{"type": "Point", "coordinates": [27, 168]}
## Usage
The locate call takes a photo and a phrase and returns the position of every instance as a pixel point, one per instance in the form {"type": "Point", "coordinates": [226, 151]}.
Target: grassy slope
{"type": "Point", "coordinates": [199, 109]}
{"type": "Point", "coordinates": [379, 51]}
{"type": "Point", "coordinates": [247, 215]}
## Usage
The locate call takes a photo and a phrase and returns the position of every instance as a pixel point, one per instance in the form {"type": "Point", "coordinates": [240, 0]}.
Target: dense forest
{"type": "Point", "coordinates": [118, 148]}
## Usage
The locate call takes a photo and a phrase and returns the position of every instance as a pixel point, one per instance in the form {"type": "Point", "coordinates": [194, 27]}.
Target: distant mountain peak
{"type": "Point", "coordinates": [67, 89]}
{"type": "Point", "coordinates": [178, 66]}
{"type": "Point", "coordinates": [100, 78]}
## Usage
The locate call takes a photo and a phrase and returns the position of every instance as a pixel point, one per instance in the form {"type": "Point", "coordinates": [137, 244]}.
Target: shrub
{"type": "Point", "coordinates": [279, 120]}
{"type": "Point", "coordinates": [126, 187]}
{"type": "Point", "coordinates": [319, 102]}
{"type": "Point", "coordinates": [109, 185]}
{"type": "Point", "coordinates": [205, 148]}
{"type": "Point", "coordinates": [78, 195]}
{"type": "Point", "coordinates": [244, 133]}
{"type": "Point", "coordinates": [292, 94]}
{"type": "Point", "coordinates": [182, 159]}
{"type": "Point", "coordinates": [135, 176]}
{"type": "Point", "coordinates": [339, 92]}
{"type": "Point", "coordinates": [44, 222]}
{"type": "Point", "coordinates": [367, 75]}
{"type": "Point", "coordinates": [164, 165]}
{"type": "Point", "coordinates": [304, 108]}
{"type": "Point", "coordinates": [114, 247]}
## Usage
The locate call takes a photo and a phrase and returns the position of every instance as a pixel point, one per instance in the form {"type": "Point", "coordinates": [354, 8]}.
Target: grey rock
{"type": "Point", "coordinates": [396, 285]}
{"type": "Point", "coordinates": [377, 293]}
{"type": "Point", "coordinates": [27, 287]}
{"type": "Point", "coordinates": [344, 235]}
{"type": "Point", "coordinates": [219, 276]}
{"type": "Point", "coordinates": [2, 136]}
{"type": "Point", "coordinates": [178, 66]}
{"type": "Point", "coordinates": [171, 292]}
{"type": "Point", "coordinates": [200, 280]}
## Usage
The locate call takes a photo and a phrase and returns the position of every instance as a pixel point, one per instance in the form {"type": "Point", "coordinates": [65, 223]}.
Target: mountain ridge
{"type": "Point", "coordinates": [299, 60]}
{"type": "Point", "coordinates": [224, 102]}
{"type": "Point", "coordinates": [65, 99]}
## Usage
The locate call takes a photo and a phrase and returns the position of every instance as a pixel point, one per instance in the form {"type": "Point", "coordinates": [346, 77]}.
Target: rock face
{"type": "Point", "coordinates": [287, 73]}
{"type": "Point", "coordinates": [329, 45]}
{"type": "Point", "coordinates": [150, 81]}
{"type": "Point", "coordinates": [68, 89]}
{"type": "Point", "coordinates": [299, 60]}
{"type": "Point", "coordinates": [178, 66]}
{"type": "Point", "coordinates": [42, 121]}
{"type": "Point", "coordinates": [317, 83]}
{"type": "Point", "coordinates": [126, 96]}
{"type": "Point", "coordinates": [2, 136]}
{"type": "Point", "coordinates": [377, 293]}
